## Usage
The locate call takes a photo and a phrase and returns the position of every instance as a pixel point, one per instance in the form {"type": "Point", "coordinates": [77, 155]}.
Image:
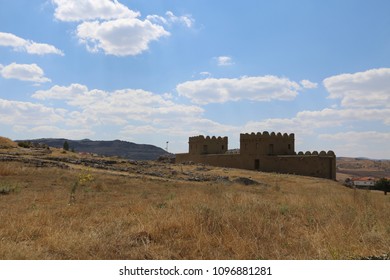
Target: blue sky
{"type": "Point", "coordinates": [157, 71]}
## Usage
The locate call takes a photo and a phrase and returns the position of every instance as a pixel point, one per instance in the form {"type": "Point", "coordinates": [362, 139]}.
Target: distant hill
{"type": "Point", "coordinates": [119, 148]}
{"type": "Point", "coordinates": [362, 167]}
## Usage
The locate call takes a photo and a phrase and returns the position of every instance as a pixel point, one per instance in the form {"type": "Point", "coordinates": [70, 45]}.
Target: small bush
{"type": "Point", "coordinates": [6, 188]}
{"type": "Point", "coordinates": [24, 144]}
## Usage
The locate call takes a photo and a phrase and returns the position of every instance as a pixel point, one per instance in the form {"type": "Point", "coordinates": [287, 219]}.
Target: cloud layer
{"type": "Point", "coordinates": [261, 88]}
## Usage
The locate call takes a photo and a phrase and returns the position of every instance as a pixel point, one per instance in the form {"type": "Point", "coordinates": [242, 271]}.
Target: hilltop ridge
{"type": "Point", "coordinates": [124, 149]}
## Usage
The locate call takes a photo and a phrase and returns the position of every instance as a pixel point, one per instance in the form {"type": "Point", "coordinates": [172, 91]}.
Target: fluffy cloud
{"type": "Point", "coordinates": [24, 72]}
{"type": "Point", "coordinates": [20, 44]}
{"type": "Point", "coordinates": [111, 27]}
{"type": "Point", "coordinates": [84, 10]}
{"type": "Point", "coordinates": [224, 60]}
{"type": "Point", "coordinates": [363, 89]}
{"type": "Point", "coordinates": [27, 113]}
{"type": "Point", "coordinates": [120, 37]}
{"type": "Point", "coordinates": [263, 88]}
{"type": "Point", "coordinates": [308, 84]}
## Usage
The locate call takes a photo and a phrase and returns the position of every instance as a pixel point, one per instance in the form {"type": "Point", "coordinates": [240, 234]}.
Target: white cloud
{"type": "Point", "coordinates": [224, 60]}
{"type": "Point", "coordinates": [336, 117]}
{"type": "Point", "coordinates": [262, 88]}
{"type": "Point", "coordinates": [20, 44]}
{"type": "Point", "coordinates": [120, 37]}
{"type": "Point", "coordinates": [307, 84]}
{"type": "Point", "coordinates": [356, 144]}
{"type": "Point", "coordinates": [27, 113]}
{"type": "Point", "coordinates": [111, 27]}
{"type": "Point", "coordinates": [205, 74]}
{"type": "Point", "coordinates": [170, 18]}
{"type": "Point", "coordinates": [24, 72]}
{"type": "Point", "coordinates": [308, 122]}
{"type": "Point", "coordinates": [363, 89]}
{"type": "Point", "coordinates": [84, 10]}
{"type": "Point", "coordinates": [57, 132]}
{"type": "Point", "coordinates": [61, 93]}
{"type": "Point", "coordinates": [121, 105]}
{"type": "Point", "coordinates": [356, 136]}
{"type": "Point", "coordinates": [11, 40]}
{"type": "Point", "coordinates": [41, 49]}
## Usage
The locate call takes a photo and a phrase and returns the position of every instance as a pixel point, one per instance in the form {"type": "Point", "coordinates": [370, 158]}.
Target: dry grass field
{"type": "Point", "coordinates": [87, 213]}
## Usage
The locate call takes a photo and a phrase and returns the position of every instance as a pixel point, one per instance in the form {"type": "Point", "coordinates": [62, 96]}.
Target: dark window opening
{"type": "Point", "coordinates": [271, 149]}
{"type": "Point", "coordinates": [257, 164]}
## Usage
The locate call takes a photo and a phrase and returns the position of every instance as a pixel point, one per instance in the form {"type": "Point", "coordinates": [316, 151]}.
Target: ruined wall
{"type": "Point", "coordinates": [267, 144]}
{"type": "Point", "coordinates": [200, 145]}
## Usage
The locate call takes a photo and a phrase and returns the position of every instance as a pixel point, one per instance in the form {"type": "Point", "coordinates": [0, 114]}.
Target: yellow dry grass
{"type": "Point", "coordinates": [6, 143]}
{"type": "Point", "coordinates": [118, 217]}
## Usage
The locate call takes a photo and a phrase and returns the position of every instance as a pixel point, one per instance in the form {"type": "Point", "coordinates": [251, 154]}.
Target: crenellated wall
{"type": "Point", "coordinates": [200, 145]}
{"type": "Point", "coordinates": [256, 153]}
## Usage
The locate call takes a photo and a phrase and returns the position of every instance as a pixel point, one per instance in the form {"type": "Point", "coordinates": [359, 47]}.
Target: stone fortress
{"type": "Point", "coordinates": [261, 151]}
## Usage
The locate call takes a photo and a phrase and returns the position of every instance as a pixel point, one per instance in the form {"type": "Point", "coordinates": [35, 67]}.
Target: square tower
{"type": "Point", "coordinates": [267, 144]}
{"type": "Point", "coordinates": [200, 145]}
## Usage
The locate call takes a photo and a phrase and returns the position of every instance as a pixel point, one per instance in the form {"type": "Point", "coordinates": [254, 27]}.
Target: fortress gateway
{"type": "Point", "coordinates": [261, 151]}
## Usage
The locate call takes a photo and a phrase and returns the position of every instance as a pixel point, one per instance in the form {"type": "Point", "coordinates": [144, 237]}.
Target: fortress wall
{"type": "Point", "coordinates": [307, 165]}
{"type": "Point", "coordinates": [261, 151]}
{"type": "Point", "coordinates": [322, 166]}
{"type": "Point", "coordinates": [267, 144]}
{"type": "Point", "coordinates": [226, 160]}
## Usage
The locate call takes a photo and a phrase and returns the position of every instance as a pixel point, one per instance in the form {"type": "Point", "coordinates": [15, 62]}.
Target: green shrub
{"type": "Point", "coordinates": [6, 188]}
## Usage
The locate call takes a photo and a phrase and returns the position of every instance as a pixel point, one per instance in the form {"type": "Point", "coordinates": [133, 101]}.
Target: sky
{"type": "Point", "coordinates": [159, 71]}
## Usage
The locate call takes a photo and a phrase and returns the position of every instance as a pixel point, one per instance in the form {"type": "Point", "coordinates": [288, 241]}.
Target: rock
{"type": "Point", "coordinates": [245, 181]}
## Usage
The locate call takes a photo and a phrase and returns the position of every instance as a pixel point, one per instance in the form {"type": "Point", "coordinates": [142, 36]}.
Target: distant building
{"type": "Point", "coordinates": [261, 151]}
{"type": "Point", "coordinates": [363, 182]}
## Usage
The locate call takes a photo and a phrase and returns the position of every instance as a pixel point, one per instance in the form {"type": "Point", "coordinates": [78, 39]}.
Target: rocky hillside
{"type": "Point", "coordinates": [119, 148]}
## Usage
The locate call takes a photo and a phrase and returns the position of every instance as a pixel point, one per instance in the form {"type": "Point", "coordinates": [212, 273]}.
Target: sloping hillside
{"type": "Point", "coordinates": [6, 143]}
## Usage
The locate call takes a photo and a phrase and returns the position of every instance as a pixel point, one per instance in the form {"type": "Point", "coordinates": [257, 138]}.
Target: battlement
{"type": "Point", "coordinates": [207, 138]}
{"type": "Point", "coordinates": [315, 153]}
{"type": "Point", "coordinates": [266, 134]}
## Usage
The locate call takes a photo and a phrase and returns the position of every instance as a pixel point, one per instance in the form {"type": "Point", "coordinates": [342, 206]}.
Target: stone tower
{"type": "Point", "coordinates": [200, 145]}
{"type": "Point", "coordinates": [267, 144]}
